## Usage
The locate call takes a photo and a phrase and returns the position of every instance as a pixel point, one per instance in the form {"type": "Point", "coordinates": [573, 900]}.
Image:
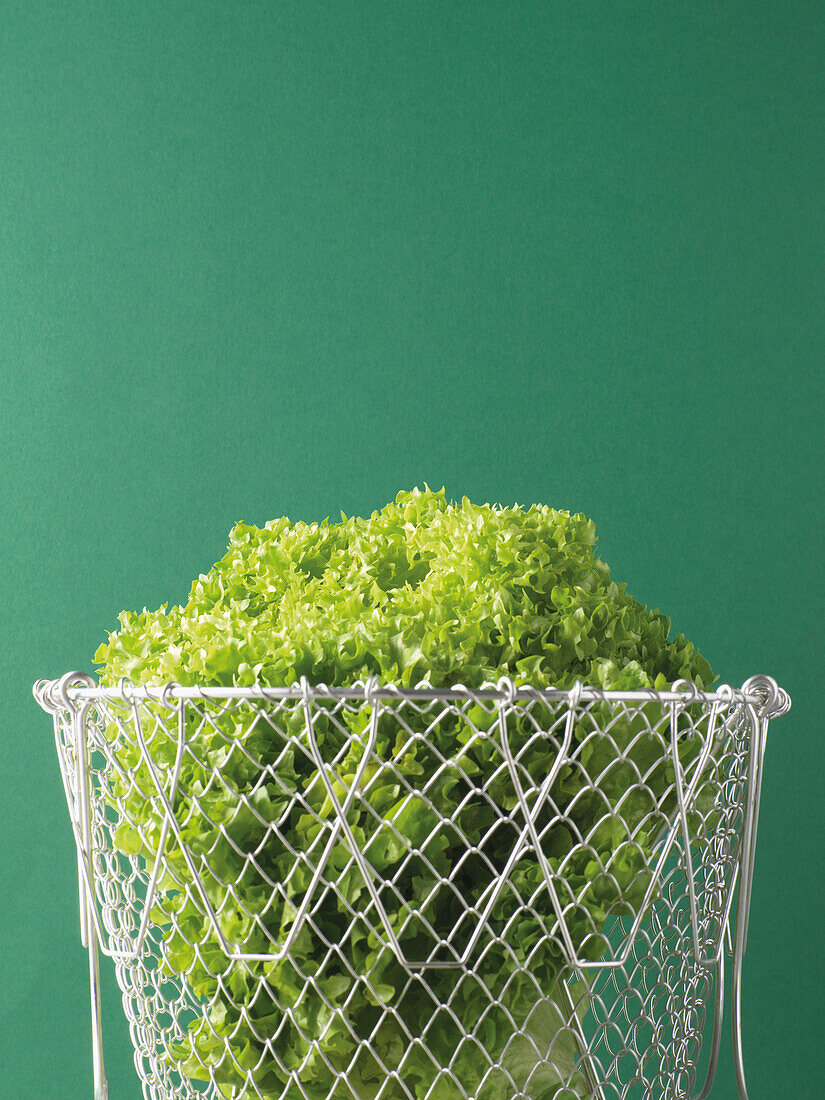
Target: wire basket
{"type": "Point", "coordinates": [375, 893]}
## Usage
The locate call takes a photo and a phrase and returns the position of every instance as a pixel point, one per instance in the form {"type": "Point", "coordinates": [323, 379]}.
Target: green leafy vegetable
{"type": "Point", "coordinates": [423, 589]}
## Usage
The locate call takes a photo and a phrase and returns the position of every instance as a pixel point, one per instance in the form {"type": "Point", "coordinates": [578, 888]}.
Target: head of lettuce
{"type": "Point", "coordinates": [423, 590]}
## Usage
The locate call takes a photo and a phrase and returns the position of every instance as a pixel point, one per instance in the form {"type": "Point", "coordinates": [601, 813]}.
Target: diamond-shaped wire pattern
{"type": "Point", "coordinates": [379, 897]}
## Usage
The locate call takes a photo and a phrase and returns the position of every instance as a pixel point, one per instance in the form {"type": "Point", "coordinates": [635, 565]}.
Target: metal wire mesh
{"type": "Point", "coordinates": [376, 894]}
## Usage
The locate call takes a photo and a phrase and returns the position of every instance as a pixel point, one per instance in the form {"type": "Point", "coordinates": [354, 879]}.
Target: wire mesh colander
{"type": "Point", "coordinates": [375, 893]}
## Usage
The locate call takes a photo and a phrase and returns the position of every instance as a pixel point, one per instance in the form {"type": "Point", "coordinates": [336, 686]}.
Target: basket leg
{"type": "Point", "coordinates": [101, 1085]}
{"type": "Point", "coordinates": [736, 1013]}
{"type": "Point", "coordinates": [87, 923]}
{"type": "Point", "coordinates": [746, 861]}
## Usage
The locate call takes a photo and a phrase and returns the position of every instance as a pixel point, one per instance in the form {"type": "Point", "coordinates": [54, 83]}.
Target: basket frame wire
{"type": "Point", "coordinates": [75, 693]}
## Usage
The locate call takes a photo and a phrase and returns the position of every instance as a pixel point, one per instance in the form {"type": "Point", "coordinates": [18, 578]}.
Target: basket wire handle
{"type": "Point", "coordinates": [171, 820]}
{"type": "Point", "coordinates": [508, 694]}
{"type": "Point", "coordinates": [573, 959]}
{"type": "Point", "coordinates": [684, 799]}
{"type": "Point", "coordinates": [168, 803]}
{"type": "Point", "coordinates": [530, 815]}
{"type": "Point", "coordinates": [341, 811]}
{"type": "Point", "coordinates": [494, 889]}
{"type": "Point", "coordinates": [91, 926]}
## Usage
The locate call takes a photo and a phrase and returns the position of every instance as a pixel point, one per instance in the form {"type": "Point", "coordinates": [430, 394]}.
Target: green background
{"type": "Point", "coordinates": [288, 258]}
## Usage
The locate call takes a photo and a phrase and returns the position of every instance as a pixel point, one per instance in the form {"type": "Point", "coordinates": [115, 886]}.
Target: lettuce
{"type": "Point", "coordinates": [424, 589]}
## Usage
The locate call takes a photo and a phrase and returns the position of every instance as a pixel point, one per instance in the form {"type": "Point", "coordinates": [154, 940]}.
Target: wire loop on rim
{"type": "Point", "coordinates": [689, 690]}
{"type": "Point", "coordinates": [125, 686]}
{"type": "Point", "coordinates": [41, 693]}
{"type": "Point", "coordinates": [774, 700]}
{"type": "Point", "coordinates": [371, 688]}
{"type": "Point", "coordinates": [575, 694]}
{"type": "Point", "coordinates": [508, 689]}
{"type": "Point", "coordinates": [726, 694]}
{"type": "Point", "coordinates": [61, 688]}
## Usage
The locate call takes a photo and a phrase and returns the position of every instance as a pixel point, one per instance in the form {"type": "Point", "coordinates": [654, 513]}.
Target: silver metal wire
{"type": "Point", "coordinates": [376, 893]}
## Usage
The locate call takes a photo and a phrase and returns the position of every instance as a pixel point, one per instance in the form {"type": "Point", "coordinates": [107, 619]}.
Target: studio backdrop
{"type": "Point", "coordinates": [265, 260]}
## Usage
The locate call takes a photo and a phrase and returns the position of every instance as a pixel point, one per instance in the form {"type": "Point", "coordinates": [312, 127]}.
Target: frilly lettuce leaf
{"type": "Point", "coordinates": [424, 589]}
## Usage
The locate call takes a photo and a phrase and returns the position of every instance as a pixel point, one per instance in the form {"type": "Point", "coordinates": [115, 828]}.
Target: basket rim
{"type": "Point", "coordinates": [75, 688]}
